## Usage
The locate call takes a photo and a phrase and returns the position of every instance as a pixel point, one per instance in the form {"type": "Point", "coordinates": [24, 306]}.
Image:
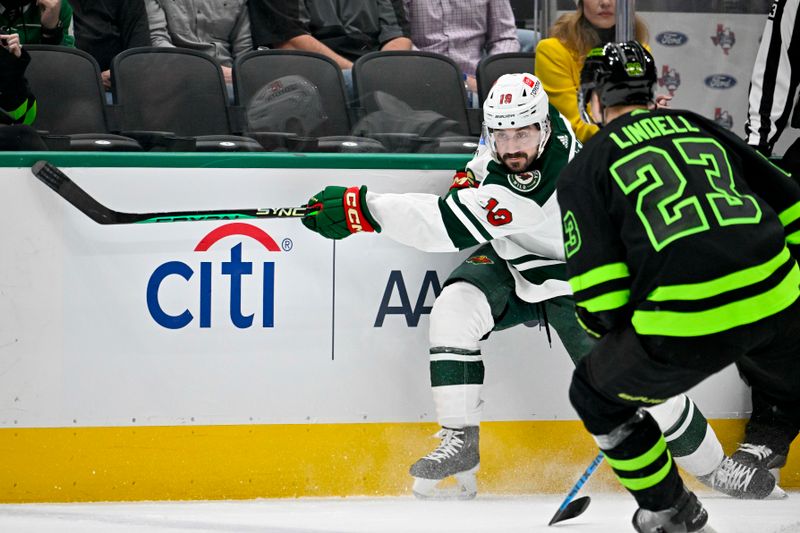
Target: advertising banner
{"type": "Point", "coordinates": [235, 322]}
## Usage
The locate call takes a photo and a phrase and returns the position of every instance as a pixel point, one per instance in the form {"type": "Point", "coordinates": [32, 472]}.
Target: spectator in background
{"type": "Point", "coordinates": [17, 103]}
{"type": "Point", "coordinates": [773, 86]}
{"type": "Point", "coordinates": [107, 27]}
{"type": "Point", "coordinates": [342, 31]}
{"type": "Point", "coordinates": [219, 28]}
{"type": "Point", "coordinates": [559, 58]}
{"type": "Point", "coordinates": [37, 21]}
{"type": "Point", "coordinates": [463, 30]}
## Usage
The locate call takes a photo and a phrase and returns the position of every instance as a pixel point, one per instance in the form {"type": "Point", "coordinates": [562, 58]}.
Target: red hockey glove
{"type": "Point", "coordinates": [338, 212]}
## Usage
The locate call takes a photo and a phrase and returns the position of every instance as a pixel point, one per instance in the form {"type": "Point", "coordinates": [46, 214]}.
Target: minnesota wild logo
{"type": "Point", "coordinates": [525, 181]}
{"type": "Point", "coordinates": [479, 260]}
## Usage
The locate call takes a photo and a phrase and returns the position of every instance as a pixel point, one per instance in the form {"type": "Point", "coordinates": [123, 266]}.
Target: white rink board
{"type": "Point", "coordinates": [78, 346]}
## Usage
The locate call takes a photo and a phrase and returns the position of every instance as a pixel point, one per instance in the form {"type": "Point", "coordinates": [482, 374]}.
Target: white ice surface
{"type": "Point", "coordinates": [607, 513]}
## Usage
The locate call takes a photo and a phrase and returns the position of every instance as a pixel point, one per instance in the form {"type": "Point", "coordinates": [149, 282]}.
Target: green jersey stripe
{"type": "Point", "coordinates": [24, 114]}
{"type": "Point", "coordinates": [30, 116]}
{"type": "Point", "coordinates": [642, 461]}
{"type": "Point", "coordinates": [599, 275]}
{"type": "Point", "coordinates": [463, 219]}
{"type": "Point", "coordinates": [527, 257]}
{"type": "Point", "coordinates": [606, 302]}
{"type": "Point", "coordinates": [790, 215]}
{"type": "Point", "coordinates": [543, 274]}
{"type": "Point", "coordinates": [793, 238]}
{"type": "Point", "coordinates": [472, 218]}
{"type": "Point", "coordinates": [722, 318]}
{"type": "Point", "coordinates": [15, 114]}
{"type": "Point", "coordinates": [729, 282]}
{"type": "Point", "coordinates": [458, 233]}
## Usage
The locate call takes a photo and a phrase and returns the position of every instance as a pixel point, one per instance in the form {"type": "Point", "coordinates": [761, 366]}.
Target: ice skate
{"type": "Point", "coordinates": [761, 456]}
{"type": "Point", "coordinates": [457, 455]}
{"type": "Point", "coordinates": [739, 480]}
{"type": "Point", "coordinates": [685, 516]}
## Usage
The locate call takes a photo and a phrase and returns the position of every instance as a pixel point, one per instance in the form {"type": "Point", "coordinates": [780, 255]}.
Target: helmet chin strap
{"type": "Point", "coordinates": [602, 113]}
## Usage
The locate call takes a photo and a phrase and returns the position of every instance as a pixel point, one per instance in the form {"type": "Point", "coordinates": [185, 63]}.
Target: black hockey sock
{"type": "Point", "coordinates": [642, 463]}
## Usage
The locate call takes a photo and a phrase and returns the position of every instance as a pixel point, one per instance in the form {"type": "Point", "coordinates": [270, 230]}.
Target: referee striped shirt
{"type": "Point", "coordinates": [776, 74]}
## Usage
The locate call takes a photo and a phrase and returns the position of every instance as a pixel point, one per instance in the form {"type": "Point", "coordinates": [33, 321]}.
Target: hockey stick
{"type": "Point", "coordinates": [66, 188]}
{"type": "Point", "coordinates": [571, 509]}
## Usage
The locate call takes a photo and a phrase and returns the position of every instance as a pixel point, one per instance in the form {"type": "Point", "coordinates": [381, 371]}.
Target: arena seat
{"type": "Point", "coordinates": [492, 67]}
{"type": "Point", "coordinates": [424, 81]}
{"type": "Point", "coordinates": [71, 105]}
{"type": "Point", "coordinates": [261, 73]}
{"type": "Point", "coordinates": [175, 99]}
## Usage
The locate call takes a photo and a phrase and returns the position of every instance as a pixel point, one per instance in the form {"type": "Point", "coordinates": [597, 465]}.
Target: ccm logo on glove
{"type": "Point", "coordinates": [355, 221]}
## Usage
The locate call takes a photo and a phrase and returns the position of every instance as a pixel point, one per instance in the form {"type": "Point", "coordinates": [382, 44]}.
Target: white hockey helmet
{"type": "Point", "coordinates": [516, 101]}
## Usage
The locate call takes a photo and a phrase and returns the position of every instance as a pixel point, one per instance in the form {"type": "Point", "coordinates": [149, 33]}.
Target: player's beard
{"type": "Point", "coordinates": [519, 165]}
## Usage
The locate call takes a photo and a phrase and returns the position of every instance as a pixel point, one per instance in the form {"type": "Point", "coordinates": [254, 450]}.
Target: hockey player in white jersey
{"type": "Point", "coordinates": [505, 201]}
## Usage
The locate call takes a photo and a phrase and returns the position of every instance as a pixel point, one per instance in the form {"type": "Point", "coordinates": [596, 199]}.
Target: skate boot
{"type": "Point", "coordinates": [739, 480]}
{"type": "Point", "coordinates": [761, 456]}
{"type": "Point", "coordinates": [457, 455]}
{"type": "Point", "coordinates": [686, 515]}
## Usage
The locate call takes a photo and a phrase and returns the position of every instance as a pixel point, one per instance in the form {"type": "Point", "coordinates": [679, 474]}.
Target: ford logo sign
{"type": "Point", "coordinates": [720, 81]}
{"type": "Point", "coordinates": [671, 38]}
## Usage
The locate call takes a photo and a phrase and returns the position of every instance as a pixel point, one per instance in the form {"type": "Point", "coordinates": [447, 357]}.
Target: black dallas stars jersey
{"type": "Point", "coordinates": [518, 213]}
{"type": "Point", "coordinates": [676, 226]}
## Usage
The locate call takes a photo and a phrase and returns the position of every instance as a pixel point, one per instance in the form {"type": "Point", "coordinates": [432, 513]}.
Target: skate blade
{"type": "Point", "coordinates": [466, 487]}
{"type": "Point", "coordinates": [777, 494]}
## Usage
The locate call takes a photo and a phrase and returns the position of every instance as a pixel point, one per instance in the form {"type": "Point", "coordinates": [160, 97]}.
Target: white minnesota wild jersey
{"type": "Point", "coordinates": [518, 213]}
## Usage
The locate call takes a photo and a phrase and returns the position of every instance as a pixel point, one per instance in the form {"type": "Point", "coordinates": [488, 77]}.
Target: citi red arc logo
{"type": "Point", "coordinates": [237, 270]}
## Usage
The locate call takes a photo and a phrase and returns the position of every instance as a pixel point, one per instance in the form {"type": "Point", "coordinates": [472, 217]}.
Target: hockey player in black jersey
{"type": "Point", "coordinates": [681, 246]}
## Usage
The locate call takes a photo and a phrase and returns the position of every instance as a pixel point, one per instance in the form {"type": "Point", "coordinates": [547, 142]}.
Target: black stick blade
{"type": "Point", "coordinates": [54, 178]}
{"type": "Point", "coordinates": [45, 172]}
{"type": "Point", "coordinates": [69, 190]}
{"type": "Point", "coordinates": [574, 508]}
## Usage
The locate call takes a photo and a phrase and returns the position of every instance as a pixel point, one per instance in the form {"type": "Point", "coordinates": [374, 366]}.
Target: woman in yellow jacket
{"type": "Point", "coordinates": [559, 58]}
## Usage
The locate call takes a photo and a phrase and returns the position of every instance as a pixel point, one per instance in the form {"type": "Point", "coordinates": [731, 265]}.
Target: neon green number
{"type": "Point", "coordinates": [572, 235]}
{"type": "Point", "coordinates": [661, 203]}
{"type": "Point", "coordinates": [667, 206]}
{"type": "Point", "coordinates": [730, 207]}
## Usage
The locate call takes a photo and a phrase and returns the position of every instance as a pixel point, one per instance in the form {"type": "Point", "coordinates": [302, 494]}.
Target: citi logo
{"type": "Point", "coordinates": [234, 274]}
{"type": "Point", "coordinates": [720, 81]}
{"type": "Point", "coordinates": [671, 38]}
